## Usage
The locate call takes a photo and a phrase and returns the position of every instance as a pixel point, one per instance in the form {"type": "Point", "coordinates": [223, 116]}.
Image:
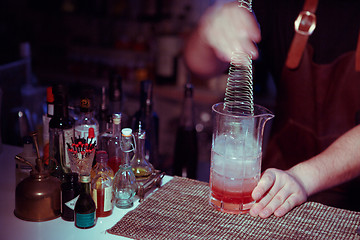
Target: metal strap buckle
{"type": "Point", "coordinates": [305, 23]}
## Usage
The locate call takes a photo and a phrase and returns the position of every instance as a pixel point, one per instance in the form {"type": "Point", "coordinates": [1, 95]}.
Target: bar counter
{"type": "Point", "coordinates": [178, 210]}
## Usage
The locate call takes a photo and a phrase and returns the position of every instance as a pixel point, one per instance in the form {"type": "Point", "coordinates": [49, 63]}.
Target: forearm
{"type": "Point", "coordinates": [339, 163]}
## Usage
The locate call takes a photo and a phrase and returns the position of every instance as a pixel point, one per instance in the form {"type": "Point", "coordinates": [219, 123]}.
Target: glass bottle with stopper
{"type": "Point", "coordinates": [125, 186]}
{"type": "Point", "coordinates": [140, 166]}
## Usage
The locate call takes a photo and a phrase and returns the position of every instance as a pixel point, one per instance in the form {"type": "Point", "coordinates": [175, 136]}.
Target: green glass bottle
{"type": "Point", "coordinates": [85, 208]}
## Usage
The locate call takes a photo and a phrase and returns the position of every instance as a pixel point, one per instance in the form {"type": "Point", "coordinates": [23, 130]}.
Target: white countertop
{"type": "Point", "coordinates": [13, 228]}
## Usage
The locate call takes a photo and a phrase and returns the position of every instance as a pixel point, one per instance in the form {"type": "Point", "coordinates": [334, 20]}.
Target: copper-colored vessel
{"type": "Point", "coordinates": [37, 197]}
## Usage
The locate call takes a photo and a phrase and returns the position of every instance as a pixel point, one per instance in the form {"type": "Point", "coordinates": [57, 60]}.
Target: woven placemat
{"type": "Point", "coordinates": [180, 210]}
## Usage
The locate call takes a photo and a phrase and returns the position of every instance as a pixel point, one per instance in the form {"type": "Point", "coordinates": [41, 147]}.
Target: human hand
{"type": "Point", "coordinates": [277, 193]}
{"type": "Point", "coordinates": [229, 28]}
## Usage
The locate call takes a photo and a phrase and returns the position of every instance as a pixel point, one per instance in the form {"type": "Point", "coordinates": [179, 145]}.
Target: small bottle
{"type": "Point", "coordinates": [86, 120]}
{"type": "Point", "coordinates": [150, 123]}
{"type": "Point", "coordinates": [61, 129]}
{"type": "Point", "coordinates": [101, 185]}
{"type": "Point", "coordinates": [85, 208]}
{"type": "Point", "coordinates": [125, 186]}
{"type": "Point", "coordinates": [114, 149]}
{"type": "Point", "coordinates": [46, 120]}
{"type": "Point", "coordinates": [22, 170]}
{"type": "Point", "coordinates": [70, 191]}
{"type": "Point", "coordinates": [140, 166]}
{"type": "Point", "coordinates": [186, 146]}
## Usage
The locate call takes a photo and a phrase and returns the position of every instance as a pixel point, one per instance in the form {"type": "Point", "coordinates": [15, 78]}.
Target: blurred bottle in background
{"type": "Point", "coordinates": [46, 120]}
{"type": "Point", "coordinates": [186, 146]}
{"type": "Point", "coordinates": [149, 122]}
{"type": "Point", "coordinates": [61, 129]}
{"type": "Point", "coordinates": [86, 119]}
{"type": "Point", "coordinates": [116, 98]}
{"type": "Point", "coordinates": [113, 144]}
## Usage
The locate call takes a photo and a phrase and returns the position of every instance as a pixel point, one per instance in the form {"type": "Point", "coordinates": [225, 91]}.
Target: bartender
{"type": "Point", "coordinates": [312, 50]}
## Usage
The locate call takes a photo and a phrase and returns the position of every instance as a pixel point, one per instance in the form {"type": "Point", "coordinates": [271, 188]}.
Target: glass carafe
{"type": "Point", "coordinates": [140, 166]}
{"type": "Point", "coordinates": [236, 157]}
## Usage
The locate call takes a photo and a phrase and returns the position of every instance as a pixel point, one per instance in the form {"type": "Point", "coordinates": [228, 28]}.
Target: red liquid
{"type": "Point", "coordinates": [114, 163]}
{"type": "Point", "coordinates": [231, 197]}
{"type": "Point", "coordinates": [100, 204]}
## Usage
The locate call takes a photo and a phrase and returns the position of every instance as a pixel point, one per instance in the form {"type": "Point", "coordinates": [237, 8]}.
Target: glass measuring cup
{"type": "Point", "coordinates": [236, 157]}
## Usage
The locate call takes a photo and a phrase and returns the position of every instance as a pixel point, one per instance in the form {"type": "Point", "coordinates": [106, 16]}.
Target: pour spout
{"type": "Point", "coordinates": [39, 162]}
{"type": "Point", "coordinates": [23, 160]}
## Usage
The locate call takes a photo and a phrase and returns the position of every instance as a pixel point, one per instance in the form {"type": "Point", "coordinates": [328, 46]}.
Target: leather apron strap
{"type": "Point", "coordinates": [304, 26]}
{"type": "Point", "coordinates": [357, 55]}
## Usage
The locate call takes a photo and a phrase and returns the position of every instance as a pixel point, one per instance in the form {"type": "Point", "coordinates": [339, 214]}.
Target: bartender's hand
{"type": "Point", "coordinates": [277, 193]}
{"type": "Point", "coordinates": [221, 30]}
{"type": "Point", "coordinates": [230, 28]}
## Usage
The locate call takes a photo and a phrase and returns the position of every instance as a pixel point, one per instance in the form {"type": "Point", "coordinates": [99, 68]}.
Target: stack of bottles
{"type": "Point", "coordinates": [124, 157]}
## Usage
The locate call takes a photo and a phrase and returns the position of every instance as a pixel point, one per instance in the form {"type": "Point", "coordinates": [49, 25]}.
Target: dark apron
{"type": "Point", "coordinates": [316, 105]}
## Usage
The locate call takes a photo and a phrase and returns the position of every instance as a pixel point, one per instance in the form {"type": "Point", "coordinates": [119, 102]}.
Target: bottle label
{"type": "Point", "coordinates": [107, 199]}
{"type": "Point", "coordinates": [68, 138]}
{"type": "Point", "coordinates": [105, 195]}
{"type": "Point", "coordinates": [71, 204]}
{"type": "Point", "coordinates": [85, 220]}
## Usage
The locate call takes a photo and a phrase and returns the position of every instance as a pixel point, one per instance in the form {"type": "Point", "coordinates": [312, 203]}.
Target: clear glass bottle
{"type": "Point", "coordinates": [125, 186]}
{"type": "Point", "coordinates": [61, 130]}
{"type": "Point", "coordinates": [114, 149]}
{"type": "Point", "coordinates": [86, 120]}
{"type": "Point", "coordinates": [140, 166]}
{"type": "Point", "coordinates": [186, 146]}
{"type": "Point", "coordinates": [101, 185]}
{"type": "Point", "coordinates": [70, 190]}
{"type": "Point", "coordinates": [150, 123]}
{"type": "Point", "coordinates": [85, 209]}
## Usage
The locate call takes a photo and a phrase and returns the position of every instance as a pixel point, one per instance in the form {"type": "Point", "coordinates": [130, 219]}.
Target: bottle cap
{"type": "Point", "coordinates": [126, 132]}
{"type": "Point", "coordinates": [91, 133]}
{"type": "Point", "coordinates": [116, 117]}
{"type": "Point", "coordinates": [85, 178]}
{"type": "Point", "coordinates": [49, 95]}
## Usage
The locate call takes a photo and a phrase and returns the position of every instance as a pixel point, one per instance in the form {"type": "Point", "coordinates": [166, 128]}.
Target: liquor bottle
{"type": "Point", "coordinates": [70, 190]}
{"type": "Point", "coordinates": [116, 98]}
{"type": "Point", "coordinates": [140, 166]}
{"type": "Point", "coordinates": [101, 185]}
{"type": "Point", "coordinates": [103, 115]}
{"type": "Point", "coordinates": [105, 123]}
{"type": "Point", "coordinates": [114, 149]}
{"type": "Point", "coordinates": [186, 146]}
{"type": "Point", "coordinates": [22, 170]}
{"type": "Point", "coordinates": [61, 129]}
{"type": "Point", "coordinates": [86, 120]}
{"type": "Point", "coordinates": [85, 209]}
{"type": "Point", "coordinates": [150, 123]}
{"type": "Point", "coordinates": [125, 186]}
{"type": "Point", "coordinates": [46, 120]}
